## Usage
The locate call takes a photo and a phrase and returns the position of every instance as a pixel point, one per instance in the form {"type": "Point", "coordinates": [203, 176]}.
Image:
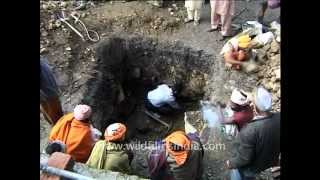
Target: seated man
{"type": "Point", "coordinates": [242, 112]}
{"type": "Point", "coordinates": [180, 157]}
{"type": "Point", "coordinates": [74, 131]}
{"type": "Point", "coordinates": [110, 153]}
{"type": "Point", "coordinates": [237, 52]}
{"type": "Point", "coordinates": [257, 146]}
{"type": "Point", "coordinates": [162, 100]}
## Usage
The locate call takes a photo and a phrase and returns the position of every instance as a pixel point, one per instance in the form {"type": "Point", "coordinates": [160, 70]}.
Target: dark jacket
{"type": "Point", "coordinates": [163, 167]}
{"type": "Point", "coordinates": [257, 146]}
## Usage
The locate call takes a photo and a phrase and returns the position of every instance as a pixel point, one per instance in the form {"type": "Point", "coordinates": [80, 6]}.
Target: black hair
{"type": "Point", "coordinates": [54, 147]}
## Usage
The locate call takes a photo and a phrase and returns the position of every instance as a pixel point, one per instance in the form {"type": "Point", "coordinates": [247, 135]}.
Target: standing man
{"type": "Point", "coordinates": [263, 6]}
{"type": "Point", "coordinates": [49, 96]}
{"type": "Point", "coordinates": [194, 11]}
{"type": "Point", "coordinates": [258, 143]}
{"type": "Point", "coordinates": [221, 13]}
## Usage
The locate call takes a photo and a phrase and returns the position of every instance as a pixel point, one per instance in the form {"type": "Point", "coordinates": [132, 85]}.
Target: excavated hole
{"type": "Point", "coordinates": [119, 62]}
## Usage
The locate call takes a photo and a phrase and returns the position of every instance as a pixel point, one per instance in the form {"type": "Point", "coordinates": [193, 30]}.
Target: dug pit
{"type": "Point", "coordinates": [127, 68]}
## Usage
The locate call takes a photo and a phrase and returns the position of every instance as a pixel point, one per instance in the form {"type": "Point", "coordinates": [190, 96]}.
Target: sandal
{"type": "Point", "coordinates": [188, 20]}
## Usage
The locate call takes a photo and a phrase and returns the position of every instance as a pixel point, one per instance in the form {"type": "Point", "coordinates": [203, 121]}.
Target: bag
{"type": "Point", "coordinates": [272, 4]}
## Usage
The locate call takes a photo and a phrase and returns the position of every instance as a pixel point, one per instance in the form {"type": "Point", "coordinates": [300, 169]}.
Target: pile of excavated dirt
{"type": "Point", "coordinates": [270, 71]}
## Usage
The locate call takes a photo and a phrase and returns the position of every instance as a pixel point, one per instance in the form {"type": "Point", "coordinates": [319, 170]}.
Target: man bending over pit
{"type": "Point", "coordinates": [162, 99]}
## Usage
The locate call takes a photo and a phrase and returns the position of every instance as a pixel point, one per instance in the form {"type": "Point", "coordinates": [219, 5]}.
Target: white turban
{"type": "Point", "coordinates": [263, 99]}
{"type": "Point", "coordinates": [237, 97]}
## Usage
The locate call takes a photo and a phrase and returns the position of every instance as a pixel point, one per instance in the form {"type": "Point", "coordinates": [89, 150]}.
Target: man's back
{"type": "Point", "coordinates": [258, 144]}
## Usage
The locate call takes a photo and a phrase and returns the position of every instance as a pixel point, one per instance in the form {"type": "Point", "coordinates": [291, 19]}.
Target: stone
{"type": "Point", "coordinates": [68, 49]}
{"type": "Point", "coordinates": [273, 79]}
{"type": "Point", "coordinates": [63, 4]}
{"type": "Point", "coordinates": [266, 47]}
{"type": "Point", "coordinates": [275, 47]}
{"type": "Point", "coordinates": [43, 50]}
{"type": "Point", "coordinates": [278, 74]}
{"type": "Point", "coordinates": [45, 7]}
{"type": "Point", "coordinates": [44, 33]}
{"type": "Point", "coordinates": [171, 13]}
{"type": "Point", "coordinates": [170, 9]}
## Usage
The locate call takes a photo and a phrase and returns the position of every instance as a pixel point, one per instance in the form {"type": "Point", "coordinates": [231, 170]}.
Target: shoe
{"type": "Point", "coordinates": [186, 20]}
{"type": "Point", "coordinates": [212, 29]}
{"type": "Point", "coordinates": [196, 23]}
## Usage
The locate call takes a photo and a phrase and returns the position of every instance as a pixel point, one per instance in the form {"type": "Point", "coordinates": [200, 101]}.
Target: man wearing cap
{"type": "Point", "coordinates": [257, 146]}
{"type": "Point", "coordinates": [237, 52]}
{"type": "Point", "coordinates": [242, 112]}
{"type": "Point", "coordinates": [74, 130]}
{"type": "Point", "coordinates": [179, 158]}
{"type": "Point", "coordinates": [111, 153]}
{"type": "Point", "coordinates": [162, 99]}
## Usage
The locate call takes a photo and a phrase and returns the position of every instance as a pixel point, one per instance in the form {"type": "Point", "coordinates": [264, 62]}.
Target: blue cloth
{"type": "Point", "coordinates": [238, 174]}
{"type": "Point", "coordinates": [48, 85]}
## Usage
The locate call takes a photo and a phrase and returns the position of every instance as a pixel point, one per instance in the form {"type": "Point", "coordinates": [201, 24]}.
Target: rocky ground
{"type": "Point", "coordinates": [72, 58]}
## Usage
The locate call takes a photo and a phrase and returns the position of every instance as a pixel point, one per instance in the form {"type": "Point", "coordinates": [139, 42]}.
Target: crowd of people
{"type": "Point", "coordinates": [180, 154]}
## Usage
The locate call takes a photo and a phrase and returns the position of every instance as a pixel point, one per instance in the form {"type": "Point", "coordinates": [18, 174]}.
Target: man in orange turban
{"type": "Point", "coordinates": [179, 158]}
{"type": "Point", "coordinates": [111, 153]}
{"type": "Point", "coordinates": [74, 131]}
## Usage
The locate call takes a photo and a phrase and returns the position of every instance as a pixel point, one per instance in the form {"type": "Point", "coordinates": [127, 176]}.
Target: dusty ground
{"type": "Point", "coordinates": [71, 58]}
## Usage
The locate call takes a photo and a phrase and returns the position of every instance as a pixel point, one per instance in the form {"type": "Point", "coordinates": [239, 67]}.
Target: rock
{"type": "Point", "coordinates": [45, 7]}
{"type": "Point", "coordinates": [278, 74]}
{"type": "Point", "coordinates": [50, 26]}
{"type": "Point", "coordinates": [170, 9]}
{"type": "Point", "coordinates": [178, 19]}
{"type": "Point", "coordinates": [68, 49]}
{"type": "Point", "coordinates": [261, 54]}
{"type": "Point", "coordinates": [278, 94]}
{"type": "Point", "coordinates": [275, 47]}
{"type": "Point", "coordinates": [63, 4]}
{"type": "Point", "coordinates": [43, 50]}
{"type": "Point", "coordinates": [276, 87]}
{"type": "Point", "coordinates": [44, 33]}
{"type": "Point", "coordinates": [171, 13]}
{"type": "Point", "coordinates": [83, 15]}
{"type": "Point", "coordinates": [273, 79]}
{"type": "Point", "coordinates": [266, 47]}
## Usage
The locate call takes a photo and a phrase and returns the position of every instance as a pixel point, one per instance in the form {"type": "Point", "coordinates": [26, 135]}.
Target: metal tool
{"type": "Point", "coordinates": [60, 172]}
{"type": "Point", "coordinates": [77, 20]}
{"type": "Point", "coordinates": [157, 118]}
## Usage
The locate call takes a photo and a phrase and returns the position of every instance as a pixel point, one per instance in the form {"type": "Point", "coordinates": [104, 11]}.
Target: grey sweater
{"type": "Point", "coordinates": [257, 146]}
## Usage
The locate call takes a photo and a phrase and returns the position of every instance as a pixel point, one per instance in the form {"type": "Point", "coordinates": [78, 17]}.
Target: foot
{"type": "Point", "coordinates": [186, 20]}
{"type": "Point", "coordinates": [196, 23]}
{"type": "Point", "coordinates": [212, 29]}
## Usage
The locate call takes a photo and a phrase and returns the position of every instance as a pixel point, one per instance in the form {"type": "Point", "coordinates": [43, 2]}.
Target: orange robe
{"type": "Point", "coordinates": [75, 134]}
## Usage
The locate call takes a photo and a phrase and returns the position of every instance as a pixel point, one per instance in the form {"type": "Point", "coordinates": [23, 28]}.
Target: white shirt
{"type": "Point", "coordinates": [161, 95]}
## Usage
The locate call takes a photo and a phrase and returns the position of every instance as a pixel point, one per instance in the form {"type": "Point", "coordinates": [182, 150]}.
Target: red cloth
{"type": "Point", "coordinates": [241, 118]}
